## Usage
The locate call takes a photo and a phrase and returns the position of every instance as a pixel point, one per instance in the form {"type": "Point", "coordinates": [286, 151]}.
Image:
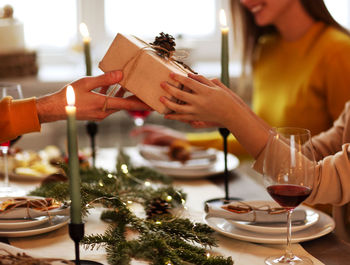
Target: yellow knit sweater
{"type": "Point", "coordinates": [304, 83]}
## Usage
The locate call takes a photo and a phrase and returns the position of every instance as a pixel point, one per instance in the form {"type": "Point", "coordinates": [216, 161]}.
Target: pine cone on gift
{"type": "Point", "coordinates": [157, 207]}
{"type": "Point", "coordinates": [165, 41]}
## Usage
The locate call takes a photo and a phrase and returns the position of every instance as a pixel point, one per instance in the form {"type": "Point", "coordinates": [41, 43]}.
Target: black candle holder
{"type": "Point", "coordinates": [227, 199]}
{"type": "Point", "coordinates": [92, 130]}
{"type": "Point", "coordinates": [76, 233]}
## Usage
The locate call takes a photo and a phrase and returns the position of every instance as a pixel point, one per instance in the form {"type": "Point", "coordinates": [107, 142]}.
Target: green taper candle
{"type": "Point", "coordinates": [86, 40]}
{"type": "Point", "coordinates": [73, 160]}
{"type": "Point", "coordinates": [225, 78]}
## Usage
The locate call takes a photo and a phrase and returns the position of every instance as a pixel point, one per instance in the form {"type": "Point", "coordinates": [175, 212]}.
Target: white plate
{"type": "Point", "coordinates": [276, 228]}
{"type": "Point", "coordinates": [22, 223]}
{"type": "Point", "coordinates": [324, 226]}
{"type": "Point", "coordinates": [217, 167]}
{"type": "Point", "coordinates": [55, 223]}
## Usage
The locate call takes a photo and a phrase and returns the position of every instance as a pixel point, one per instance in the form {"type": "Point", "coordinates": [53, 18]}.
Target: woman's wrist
{"type": "Point", "coordinates": [50, 108]}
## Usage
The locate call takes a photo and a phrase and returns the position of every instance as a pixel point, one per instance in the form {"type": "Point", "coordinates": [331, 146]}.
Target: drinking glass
{"type": "Point", "coordinates": [14, 90]}
{"type": "Point", "coordinates": [288, 172]}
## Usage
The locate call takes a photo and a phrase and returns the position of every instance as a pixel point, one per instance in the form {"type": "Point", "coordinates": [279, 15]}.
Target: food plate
{"type": "Point", "coordinates": [31, 165]}
{"type": "Point", "coordinates": [276, 228]}
{"type": "Point", "coordinates": [22, 223]}
{"type": "Point", "coordinates": [323, 226]}
{"type": "Point", "coordinates": [20, 177]}
{"type": "Point", "coordinates": [55, 223]}
{"type": "Point", "coordinates": [179, 170]}
{"type": "Point", "coordinates": [160, 153]}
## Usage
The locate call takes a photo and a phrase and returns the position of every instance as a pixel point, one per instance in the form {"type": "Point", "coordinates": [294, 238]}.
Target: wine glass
{"type": "Point", "coordinates": [13, 90]}
{"type": "Point", "coordinates": [288, 172]}
{"type": "Point", "coordinates": [139, 116]}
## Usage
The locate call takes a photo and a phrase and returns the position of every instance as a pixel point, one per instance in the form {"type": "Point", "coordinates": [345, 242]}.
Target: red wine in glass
{"type": "Point", "coordinates": [5, 145]}
{"type": "Point", "coordinates": [13, 90]}
{"type": "Point", "coordinates": [139, 116]}
{"type": "Point", "coordinates": [288, 172]}
{"type": "Point", "coordinates": [288, 196]}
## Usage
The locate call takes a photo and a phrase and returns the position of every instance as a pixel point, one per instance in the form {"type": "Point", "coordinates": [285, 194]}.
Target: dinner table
{"type": "Point", "coordinates": [244, 183]}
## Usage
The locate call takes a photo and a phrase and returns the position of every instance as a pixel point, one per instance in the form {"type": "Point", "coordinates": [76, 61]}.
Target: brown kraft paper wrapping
{"type": "Point", "coordinates": [143, 69]}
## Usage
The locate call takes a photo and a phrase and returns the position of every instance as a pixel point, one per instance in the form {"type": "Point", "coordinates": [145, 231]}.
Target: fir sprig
{"type": "Point", "coordinates": [57, 190]}
{"type": "Point", "coordinates": [162, 239]}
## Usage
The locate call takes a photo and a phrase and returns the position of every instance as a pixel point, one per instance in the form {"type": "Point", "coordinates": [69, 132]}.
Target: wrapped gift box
{"type": "Point", "coordinates": [143, 69]}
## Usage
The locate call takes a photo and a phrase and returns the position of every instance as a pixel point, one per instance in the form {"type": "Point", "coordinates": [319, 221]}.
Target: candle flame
{"type": "Point", "coordinates": [84, 30]}
{"type": "Point", "coordinates": [70, 96]}
{"type": "Point", "coordinates": [222, 17]}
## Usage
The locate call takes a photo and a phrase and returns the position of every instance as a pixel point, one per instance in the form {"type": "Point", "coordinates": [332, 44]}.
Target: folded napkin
{"type": "Point", "coordinates": [13, 255]}
{"type": "Point", "coordinates": [257, 215]}
{"type": "Point", "coordinates": [27, 213]}
{"type": "Point", "coordinates": [30, 207]}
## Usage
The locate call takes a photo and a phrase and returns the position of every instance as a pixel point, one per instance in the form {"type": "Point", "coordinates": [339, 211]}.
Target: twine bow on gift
{"type": "Point", "coordinates": [158, 50]}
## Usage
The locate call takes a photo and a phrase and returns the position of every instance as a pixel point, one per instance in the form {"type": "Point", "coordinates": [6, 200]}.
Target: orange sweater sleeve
{"type": "Point", "coordinates": [17, 117]}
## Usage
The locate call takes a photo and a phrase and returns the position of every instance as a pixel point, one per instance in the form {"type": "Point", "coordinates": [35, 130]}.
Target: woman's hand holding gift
{"type": "Point", "coordinates": [208, 104]}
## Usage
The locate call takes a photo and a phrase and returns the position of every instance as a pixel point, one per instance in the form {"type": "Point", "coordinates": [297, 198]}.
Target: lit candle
{"type": "Point", "coordinates": [91, 126]}
{"type": "Point", "coordinates": [225, 79]}
{"type": "Point", "coordinates": [74, 179]}
{"type": "Point", "coordinates": [86, 40]}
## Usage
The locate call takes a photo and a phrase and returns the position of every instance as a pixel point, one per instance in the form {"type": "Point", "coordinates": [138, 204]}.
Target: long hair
{"type": "Point", "coordinates": [244, 24]}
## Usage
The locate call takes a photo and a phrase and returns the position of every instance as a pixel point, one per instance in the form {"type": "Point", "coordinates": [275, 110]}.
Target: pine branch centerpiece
{"type": "Point", "coordinates": [162, 237]}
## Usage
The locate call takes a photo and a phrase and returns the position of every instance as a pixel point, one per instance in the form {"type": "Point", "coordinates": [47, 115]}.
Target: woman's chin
{"type": "Point", "coordinates": [262, 21]}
